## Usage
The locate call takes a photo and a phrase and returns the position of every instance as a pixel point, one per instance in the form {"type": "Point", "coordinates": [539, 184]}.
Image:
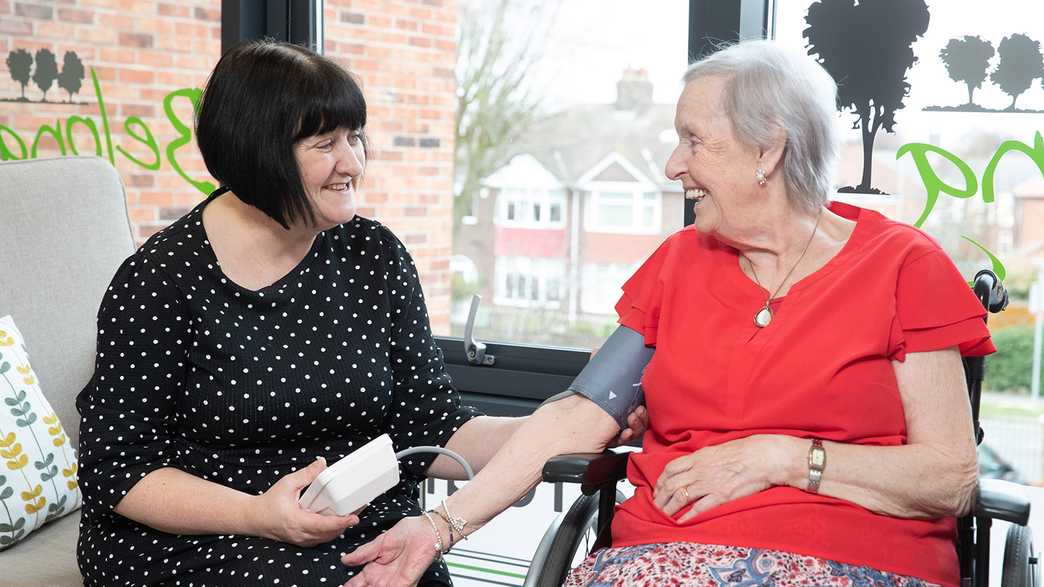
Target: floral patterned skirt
{"type": "Point", "coordinates": [684, 563]}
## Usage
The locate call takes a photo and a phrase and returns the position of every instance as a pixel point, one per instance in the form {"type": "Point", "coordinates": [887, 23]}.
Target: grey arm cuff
{"type": "Point", "coordinates": [612, 379]}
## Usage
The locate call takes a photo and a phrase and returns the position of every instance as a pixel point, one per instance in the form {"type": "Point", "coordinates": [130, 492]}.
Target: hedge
{"type": "Point", "coordinates": [1011, 367]}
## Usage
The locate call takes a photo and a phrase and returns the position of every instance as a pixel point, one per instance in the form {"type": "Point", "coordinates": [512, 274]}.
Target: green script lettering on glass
{"type": "Point", "coordinates": [148, 140]}
{"type": "Point", "coordinates": [184, 134]}
{"type": "Point", "coordinates": [55, 131]}
{"type": "Point", "coordinates": [933, 184]}
{"type": "Point", "coordinates": [1036, 153]}
{"type": "Point", "coordinates": [5, 152]}
{"type": "Point", "coordinates": [104, 116]}
{"type": "Point", "coordinates": [13, 146]}
{"type": "Point", "coordinates": [87, 122]}
{"type": "Point", "coordinates": [995, 263]}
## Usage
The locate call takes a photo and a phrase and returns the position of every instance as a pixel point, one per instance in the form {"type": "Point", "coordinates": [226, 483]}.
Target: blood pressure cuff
{"type": "Point", "coordinates": [612, 378]}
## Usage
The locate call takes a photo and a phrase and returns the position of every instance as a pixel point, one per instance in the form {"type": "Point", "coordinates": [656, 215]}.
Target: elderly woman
{"type": "Point", "coordinates": [268, 331]}
{"type": "Point", "coordinates": [809, 422]}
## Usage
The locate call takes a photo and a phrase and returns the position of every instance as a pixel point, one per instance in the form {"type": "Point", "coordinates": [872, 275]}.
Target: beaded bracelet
{"type": "Point", "coordinates": [438, 535]}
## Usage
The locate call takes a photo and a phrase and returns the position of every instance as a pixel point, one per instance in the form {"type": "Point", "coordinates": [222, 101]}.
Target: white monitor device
{"type": "Point", "coordinates": [355, 480]}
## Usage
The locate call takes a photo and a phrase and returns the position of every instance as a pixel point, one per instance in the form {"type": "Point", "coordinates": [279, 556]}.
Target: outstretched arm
{"type": "Point", "coordinates": [572, 424]}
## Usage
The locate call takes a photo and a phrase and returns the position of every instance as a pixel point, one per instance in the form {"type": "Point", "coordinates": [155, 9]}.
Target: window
{"type": "Point", "coordinates": [526, 282]}
{"type": "Point", "coordinates": [531, 208]}
{"type": "Point", "coordinates": [970, 106]}
{"type": "Point", "coordinates": [570, 160]}
{"type": "Point", "coordinates": [633, 212]}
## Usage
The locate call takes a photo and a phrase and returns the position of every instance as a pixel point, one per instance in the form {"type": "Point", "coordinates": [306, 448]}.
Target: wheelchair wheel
{"type": "Point", "coordinates": [1021, 567]}
{"type": "Point", "coordinates": [575, 535]}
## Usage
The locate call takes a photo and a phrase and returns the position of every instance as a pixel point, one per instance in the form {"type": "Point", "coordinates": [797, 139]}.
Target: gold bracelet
{"type": "Point", "coordinates": [455, 523]}
{"type": "Point", "coordinates": [438, 535]}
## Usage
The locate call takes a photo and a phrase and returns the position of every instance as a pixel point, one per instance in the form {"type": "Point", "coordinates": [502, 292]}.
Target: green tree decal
{"type": "Point", "coordinates": [967, 60]}
{"type": "Point", "coordinates": [1020, 63]}
{"type": "Point", "coordinates": [20, 65]}
{"type": "Point", "coordinates": [46, 71]}
{"type": "Point", "coordinates": [71, 78]}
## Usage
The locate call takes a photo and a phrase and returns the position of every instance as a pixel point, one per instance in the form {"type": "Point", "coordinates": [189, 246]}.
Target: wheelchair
{"type": "Point", "coordinates": [591, 514]}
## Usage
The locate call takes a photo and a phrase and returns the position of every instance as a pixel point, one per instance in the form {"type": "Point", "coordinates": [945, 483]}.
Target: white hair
{"type": "Point", "coordinates": [770, 88]}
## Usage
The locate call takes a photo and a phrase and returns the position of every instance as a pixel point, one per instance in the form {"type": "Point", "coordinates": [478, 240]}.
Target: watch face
{"type": "Point", "coordinates": [817, 458]}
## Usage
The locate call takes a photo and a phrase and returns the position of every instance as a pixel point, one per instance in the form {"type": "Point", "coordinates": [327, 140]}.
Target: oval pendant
{"type": "Point", "coordinates": [763, 318]}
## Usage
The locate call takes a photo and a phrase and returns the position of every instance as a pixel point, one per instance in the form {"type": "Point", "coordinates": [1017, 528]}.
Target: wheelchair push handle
{"type": "Point", "coordinates": [991, 293]}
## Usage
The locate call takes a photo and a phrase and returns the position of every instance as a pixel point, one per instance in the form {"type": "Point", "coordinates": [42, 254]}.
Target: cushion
{"type": "Point", "coordinates": [37, 462]}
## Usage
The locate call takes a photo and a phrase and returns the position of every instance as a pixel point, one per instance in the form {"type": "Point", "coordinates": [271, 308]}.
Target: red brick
{"type": "Point", "coordinates": [15, 27]}
{"type": "Point", "coordinates": [353, 18]}
{"type": "Point", "coordinates": [137, 76]}
{"type": "Point", "coordinates": [139, 180]}
{"type": "Point", "coordinates": [142, 110]}
{"type": "Point", "coordinates": [99, 35]}
{"type": "Point", "coordinates": [207, 14]}
{"type": "Point", "coordinates": [75, 15]}
{"type": "Point", "coordinates": [155, 58]}
{"type": "Point", "coordinates": [117, 21]}
{"type": "Point", "coordinates": [142, 40]}
{"type": "Point", "coordinates": [406, 24]}
{"type": "Point", "coordinates": [36, 11]}
{"type": "Point", "coordinates": [165, 9]}
{"type": "Point", "coordinates": [420, 42]}
{"type": "Point", "coordinates": [55, 30]}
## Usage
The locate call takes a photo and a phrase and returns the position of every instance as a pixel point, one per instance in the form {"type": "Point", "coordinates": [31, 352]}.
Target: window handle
{"type": "Point", "coordinates": [475, 350]}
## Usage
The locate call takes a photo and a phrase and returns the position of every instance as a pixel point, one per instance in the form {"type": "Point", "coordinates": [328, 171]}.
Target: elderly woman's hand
{"type": "Point", "coordinates": [278, 516]}
{"type": "Point", "coordinates": [637, 424]}
{"type": "Point", "coordinates": [714, 475]}
{"type": "Point", "coordinates": [398, 557]}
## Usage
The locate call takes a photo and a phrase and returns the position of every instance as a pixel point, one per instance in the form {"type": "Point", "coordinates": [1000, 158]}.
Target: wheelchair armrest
{"type": "Point", "coordinates": [999, 500]}
{"type": "Point", "coordinates": [593, 471]}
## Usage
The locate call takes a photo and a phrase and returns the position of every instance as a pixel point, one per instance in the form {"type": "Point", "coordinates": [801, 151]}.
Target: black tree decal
{"type": "Point", "coordinates": [866, 47]}
{"type": "Point", "coordinates": [46, 71]}
{"type": "Point", "coordinates": [72, 74]}
{"type": "Point", "coordinates": [1020, 62]}
{"type": "Point", "coordinates": [967, 60]}
{"type": "Point", "coordinates": [20, 64]}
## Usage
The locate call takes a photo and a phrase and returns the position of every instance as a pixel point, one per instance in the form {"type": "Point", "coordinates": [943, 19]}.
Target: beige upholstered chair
{"type": "Point", "coordinates": [63, 233]}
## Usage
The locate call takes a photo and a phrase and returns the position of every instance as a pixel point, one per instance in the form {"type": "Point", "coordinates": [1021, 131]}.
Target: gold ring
{"type": "Point", "coordinates": [685, 492]}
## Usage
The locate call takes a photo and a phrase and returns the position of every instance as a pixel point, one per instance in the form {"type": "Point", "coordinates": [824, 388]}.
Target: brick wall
{"type": "Point", "coordinates": [141, 52]}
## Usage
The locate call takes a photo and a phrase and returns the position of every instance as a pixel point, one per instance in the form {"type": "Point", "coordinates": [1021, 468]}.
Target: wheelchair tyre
{"type": "Point", "coordinates": [581, 518]}
{"type": "Point", "coordinates": [1021, 568]}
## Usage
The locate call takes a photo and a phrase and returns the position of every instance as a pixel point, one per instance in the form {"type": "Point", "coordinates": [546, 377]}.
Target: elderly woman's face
{"type": "Point", "coordinates": [329, 165]}
{"type": "Point", "coordinates": [715, 168]}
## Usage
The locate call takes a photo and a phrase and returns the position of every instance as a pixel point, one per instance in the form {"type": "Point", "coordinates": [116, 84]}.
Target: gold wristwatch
{"type": "Point", "coordinates": [816, 464]}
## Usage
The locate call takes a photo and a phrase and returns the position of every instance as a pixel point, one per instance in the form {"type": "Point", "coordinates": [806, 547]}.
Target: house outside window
{"type": "Point", "coordinates": [531, 208]}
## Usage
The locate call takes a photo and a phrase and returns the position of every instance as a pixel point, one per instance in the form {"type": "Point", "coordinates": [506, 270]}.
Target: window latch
{"type": "Point", "coordinates": [473, 349]}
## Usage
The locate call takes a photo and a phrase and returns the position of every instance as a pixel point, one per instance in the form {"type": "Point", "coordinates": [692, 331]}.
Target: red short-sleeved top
{"type": "Point", "coordinates": [821, 369]}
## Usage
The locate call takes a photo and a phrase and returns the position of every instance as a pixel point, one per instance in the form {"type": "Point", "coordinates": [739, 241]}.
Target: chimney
{"type": "Point", "coordinates": [634, 90]}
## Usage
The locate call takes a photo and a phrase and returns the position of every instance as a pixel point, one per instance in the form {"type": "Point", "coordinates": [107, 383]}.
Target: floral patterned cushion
{"type": "Point", "coordinates": [37, 464]}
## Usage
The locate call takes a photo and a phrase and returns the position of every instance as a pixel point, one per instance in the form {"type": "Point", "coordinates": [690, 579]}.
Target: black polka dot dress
{"type": "Point", "coordinates": [243, 387]}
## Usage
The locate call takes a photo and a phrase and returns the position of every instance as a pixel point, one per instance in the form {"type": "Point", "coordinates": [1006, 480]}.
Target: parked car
{"type": "Point", "coordinates": [993, 466]}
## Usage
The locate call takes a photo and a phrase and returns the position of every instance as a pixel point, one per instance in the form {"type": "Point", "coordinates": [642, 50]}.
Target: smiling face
{"type": "Point", "coordinates": [716, 169]}
{"type": "Point", "coordinates": [329, 165]}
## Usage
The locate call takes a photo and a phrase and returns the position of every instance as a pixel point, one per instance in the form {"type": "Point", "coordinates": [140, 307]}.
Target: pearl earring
{"type": "Point", "coordinates": [759, 173]}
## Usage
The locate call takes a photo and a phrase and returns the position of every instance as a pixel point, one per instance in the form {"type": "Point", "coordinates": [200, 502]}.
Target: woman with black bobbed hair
{"type": "Point", "coordinates": [268, 331]}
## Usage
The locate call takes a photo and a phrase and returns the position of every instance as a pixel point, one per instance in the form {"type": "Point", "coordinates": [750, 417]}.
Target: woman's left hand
{"type": "Point", "coordinates": [714, 475]}
{"type": "Point", "coordinates": [637, 424]}
{"type": "Point", "coordinates": [398, 557]}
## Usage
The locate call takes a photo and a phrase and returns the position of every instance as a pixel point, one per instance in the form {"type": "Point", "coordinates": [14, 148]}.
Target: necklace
{"type": "Point", "coordinates": [764, 316]}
